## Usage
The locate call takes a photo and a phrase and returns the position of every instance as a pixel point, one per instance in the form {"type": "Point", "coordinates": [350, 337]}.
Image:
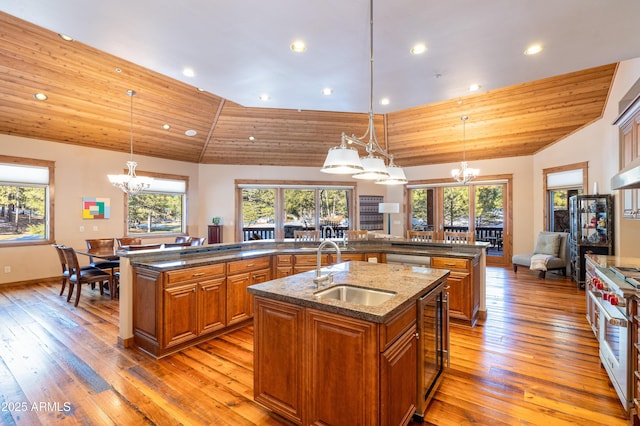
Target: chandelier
{"type": "Point", "coordinates": [464, 174]}
{"type": "Point", "coordinates": [130, 183]}
{"type": "Point", "coordinates": [344, 159]}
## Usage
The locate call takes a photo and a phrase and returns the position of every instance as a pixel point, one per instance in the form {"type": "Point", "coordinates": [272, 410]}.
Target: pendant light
{"type": "Point", "coordinates": [464, 174]}
{"type": "Point", "coordinates": [130, 183]}
{"type": "Point", "coordinates": [344, 159]}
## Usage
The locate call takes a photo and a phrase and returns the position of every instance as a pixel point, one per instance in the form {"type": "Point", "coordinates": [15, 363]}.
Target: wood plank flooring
{"type": "Point", "coordinates": [533, 361]}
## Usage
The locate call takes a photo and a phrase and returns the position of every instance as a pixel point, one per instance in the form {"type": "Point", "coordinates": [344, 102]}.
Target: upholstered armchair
{"type": "Point", "coordinates": [550, 253]}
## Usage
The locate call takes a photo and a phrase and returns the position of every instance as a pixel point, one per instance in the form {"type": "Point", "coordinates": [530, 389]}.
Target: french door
{"type": "Point", "coordinates": [482, 208]}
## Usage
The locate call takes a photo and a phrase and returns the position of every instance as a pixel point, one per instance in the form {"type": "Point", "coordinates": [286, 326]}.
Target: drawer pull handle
{"type": "Point", "coordinates": [250, 265]}
{"type": "Point", "coordinates": [199, 274]}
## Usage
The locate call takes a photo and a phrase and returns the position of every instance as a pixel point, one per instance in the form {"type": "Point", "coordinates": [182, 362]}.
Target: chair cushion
{"type": "Point", "coordinates": [548, 244]}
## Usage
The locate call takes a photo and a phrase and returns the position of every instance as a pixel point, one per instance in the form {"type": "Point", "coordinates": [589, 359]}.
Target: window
{"type": "Point", "coordinates": [159, 210]}
{"type": "Point", "coordinates": [560, 183]}
{"type": "Point", "coordinates": [275, 211]}
{"type": "Point", "coordinates": [25, 202]}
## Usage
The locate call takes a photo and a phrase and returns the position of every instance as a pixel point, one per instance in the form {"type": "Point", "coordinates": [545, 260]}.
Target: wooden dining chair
{"type": "Point", "coordinates": [65, 268]}
{"type": "Point", "coordinates": [197, 241]}
{"type": "Point", "coordinates": [79, 276]}
{"type": "Point", "coordinates": [183, 239]}
{"type": "Point", "coordinates": [357, 234]}
{"type": "Point", "coordinates": [421, 236]}
{"type": "Point", "coordinates": [306, 235]}
{"type": "Point", "coordinates": [127, 241]}
{"type": "Point", "coordinates": [458, 237]}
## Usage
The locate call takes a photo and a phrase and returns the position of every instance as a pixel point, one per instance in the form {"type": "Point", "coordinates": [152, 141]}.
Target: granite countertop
{"type": "Point", "coordinates": [408, 282]}
{"type": "Point", "coordinates": [604, 261]}
{"type": "Point", "coordinates": [176, 258]}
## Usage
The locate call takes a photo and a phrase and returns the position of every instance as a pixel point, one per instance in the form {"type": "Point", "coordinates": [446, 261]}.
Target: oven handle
{"type": "Point", "coordinates": [618, 322]}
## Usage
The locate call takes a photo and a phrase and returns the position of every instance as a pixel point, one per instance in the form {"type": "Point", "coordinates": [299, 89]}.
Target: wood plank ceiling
{"type": "Point", "coordinates": [87, 106]}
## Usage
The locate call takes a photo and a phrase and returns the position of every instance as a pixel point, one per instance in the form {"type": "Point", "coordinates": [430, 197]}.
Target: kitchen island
{"type": "Point", "coordinates": [322, 360]}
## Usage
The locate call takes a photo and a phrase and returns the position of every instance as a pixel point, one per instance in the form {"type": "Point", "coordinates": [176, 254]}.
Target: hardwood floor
{"type": "Point", "coordinates": [533, 361]}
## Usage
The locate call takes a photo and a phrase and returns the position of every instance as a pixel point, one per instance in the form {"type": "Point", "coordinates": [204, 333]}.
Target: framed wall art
{"type": "Point", "coordinates": [96, 208]}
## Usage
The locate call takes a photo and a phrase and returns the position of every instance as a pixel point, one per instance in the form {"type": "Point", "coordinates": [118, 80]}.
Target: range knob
{"type": "Point", "coordinates": [613, 299]}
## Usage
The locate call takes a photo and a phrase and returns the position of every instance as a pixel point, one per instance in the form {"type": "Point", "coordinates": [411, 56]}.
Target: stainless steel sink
{"type": "Point", "coordinates": [357, 295]}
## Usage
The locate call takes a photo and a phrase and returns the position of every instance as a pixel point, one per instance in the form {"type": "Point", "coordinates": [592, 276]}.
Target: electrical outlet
{"type": "Point", "coordinates": [7, 269]}
{"type": "Point", "coordinates": [95, 228]}
{"type": "Point", "coordinates": [82, 229]}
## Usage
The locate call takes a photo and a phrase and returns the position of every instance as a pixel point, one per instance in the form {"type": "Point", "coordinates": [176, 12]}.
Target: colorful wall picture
{"type": "Point", "coordinates": [96, 208]}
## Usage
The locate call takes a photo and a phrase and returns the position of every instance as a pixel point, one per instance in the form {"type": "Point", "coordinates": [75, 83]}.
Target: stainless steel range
{"type": "Point", "coordinates": [611, 292]}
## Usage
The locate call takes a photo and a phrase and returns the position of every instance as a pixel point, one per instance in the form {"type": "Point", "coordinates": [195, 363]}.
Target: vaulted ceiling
{"type": "Point", "coordinates": [87, 106]}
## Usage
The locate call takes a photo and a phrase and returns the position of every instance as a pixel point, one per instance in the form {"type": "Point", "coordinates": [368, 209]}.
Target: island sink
{"type": "Point", "coordinates": [352, 294]}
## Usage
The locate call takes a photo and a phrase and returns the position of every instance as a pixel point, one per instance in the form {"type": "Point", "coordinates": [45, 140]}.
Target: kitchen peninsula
{"type": "Point", "coordinates": [176, 297]}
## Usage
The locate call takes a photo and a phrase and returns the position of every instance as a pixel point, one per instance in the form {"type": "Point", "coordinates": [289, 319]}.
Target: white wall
{"type": "Point", "coordinates": [80, 172]}
{"type": "Point", "coordinates": [218, 188]}
{"type": "Point", "coordinates": [597, 144]}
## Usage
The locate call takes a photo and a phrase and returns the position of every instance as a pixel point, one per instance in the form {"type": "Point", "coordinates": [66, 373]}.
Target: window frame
{"type": "Point", "coordinates": [584, 166]}
{"type": "Point", "coordinates": [49, 202]}
{"type": "Point", "coordinates": [279, 213]}
{"type": "Point", "coordinates": [185, 203]}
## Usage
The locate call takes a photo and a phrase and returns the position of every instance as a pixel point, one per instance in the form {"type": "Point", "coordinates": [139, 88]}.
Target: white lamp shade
{"type": "Point", "coordinates": [389, 208]}
{"type": "Point", "coordinates": [396, 176]}
{"type": "Point", "coordinates": [374, 168]}
{"type": "Point", "coordinates": [342, 161]}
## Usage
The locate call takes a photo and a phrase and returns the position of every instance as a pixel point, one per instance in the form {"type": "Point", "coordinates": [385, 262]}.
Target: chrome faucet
{"type": "Point", "coordinates": [329, 277]}
{"type": "Point", "coordinates": [324, 231]}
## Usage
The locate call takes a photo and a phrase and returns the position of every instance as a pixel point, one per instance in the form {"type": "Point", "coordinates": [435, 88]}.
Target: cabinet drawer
{"type": "Point", "coordinates": [345, 257]}
{"type": "Point", "coordinates": [396, 326]}
{"type": "Point", "coordinates": [248, 265]}
{"type": "Point", "coordinates": [310, 259]}
{"type": "Point", "coordinates": [201, 272]}
{"type": "Point", "coordinates": [449, 263]}
{"type": "Point", "coordinates": [284, 260]}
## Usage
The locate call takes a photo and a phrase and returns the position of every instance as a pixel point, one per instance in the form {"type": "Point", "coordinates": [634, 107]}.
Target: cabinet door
{"type": "Point", "coordinates": [211, 305]}
{"type": "Point", "coordinates": [239, 304]}
{"type": "Point", "coordinates": [343, 381]}
{"type": "Point", "coordinates": [278, 337]}
{"type": "Point", "coordinates": [459, 295]}
{"type": "Point", "coordinates": [398, 380]}
{"type": "Point", "coordinates": [180, 314]}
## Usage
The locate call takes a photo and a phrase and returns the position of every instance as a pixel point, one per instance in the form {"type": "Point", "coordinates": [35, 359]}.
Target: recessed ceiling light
{"type": "Point", "coordinates": [327, 91]}
{"type": "Point", "coordinates": [188, 72]}
{"type": "Point", "coordinates": [264, 97]}
{"type": "Point", "coordinates": [40, 96]}
{"type": "Point", "coordinates": [190, 133]}
{"type": "Point", "coordinates": [166, 126]}
{"type": "Point", "coordinates": [65, 37]}
{"type": "Point", "coordinates": [298, 46]}
{"type": "Point", "coordinates": [199, 89]}
{"type": "Point", "coordinates": [384, 101]}
{"type": "Point", "coordinates": [474, 87]}
{"type": "Point", "coordinates": [419, 49]}
{"type": "Point", "coordinates": [533, 49]}
{"type": "Point", "coordinates": [251, 138]}
{"type": "Point", "coordinates": [118, 69]}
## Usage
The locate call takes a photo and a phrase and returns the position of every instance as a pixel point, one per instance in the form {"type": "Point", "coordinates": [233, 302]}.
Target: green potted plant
{"type": "Point", "coordinates": [216, 220]}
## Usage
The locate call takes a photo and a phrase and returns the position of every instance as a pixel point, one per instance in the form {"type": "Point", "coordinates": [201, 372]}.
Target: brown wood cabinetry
{"type": "Point", "coordinates": [178, 308]}
{"type": "Point", "coordinates": [278, 328]}
{"type": "Point", "coordinates": [629, 123]}
{"type": "Point", "coordinates": [308, 262]}
{"type": "Point", "coordinates": [464, 287]}
{"type": "Point", "coordinates": [332, 369]}
{"type": "Point", "coordinates": [240, 275]}
{"type": "Point", "coordinates": [283, 265]}
{"type": "Point", "coordinates": [214, 234]}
